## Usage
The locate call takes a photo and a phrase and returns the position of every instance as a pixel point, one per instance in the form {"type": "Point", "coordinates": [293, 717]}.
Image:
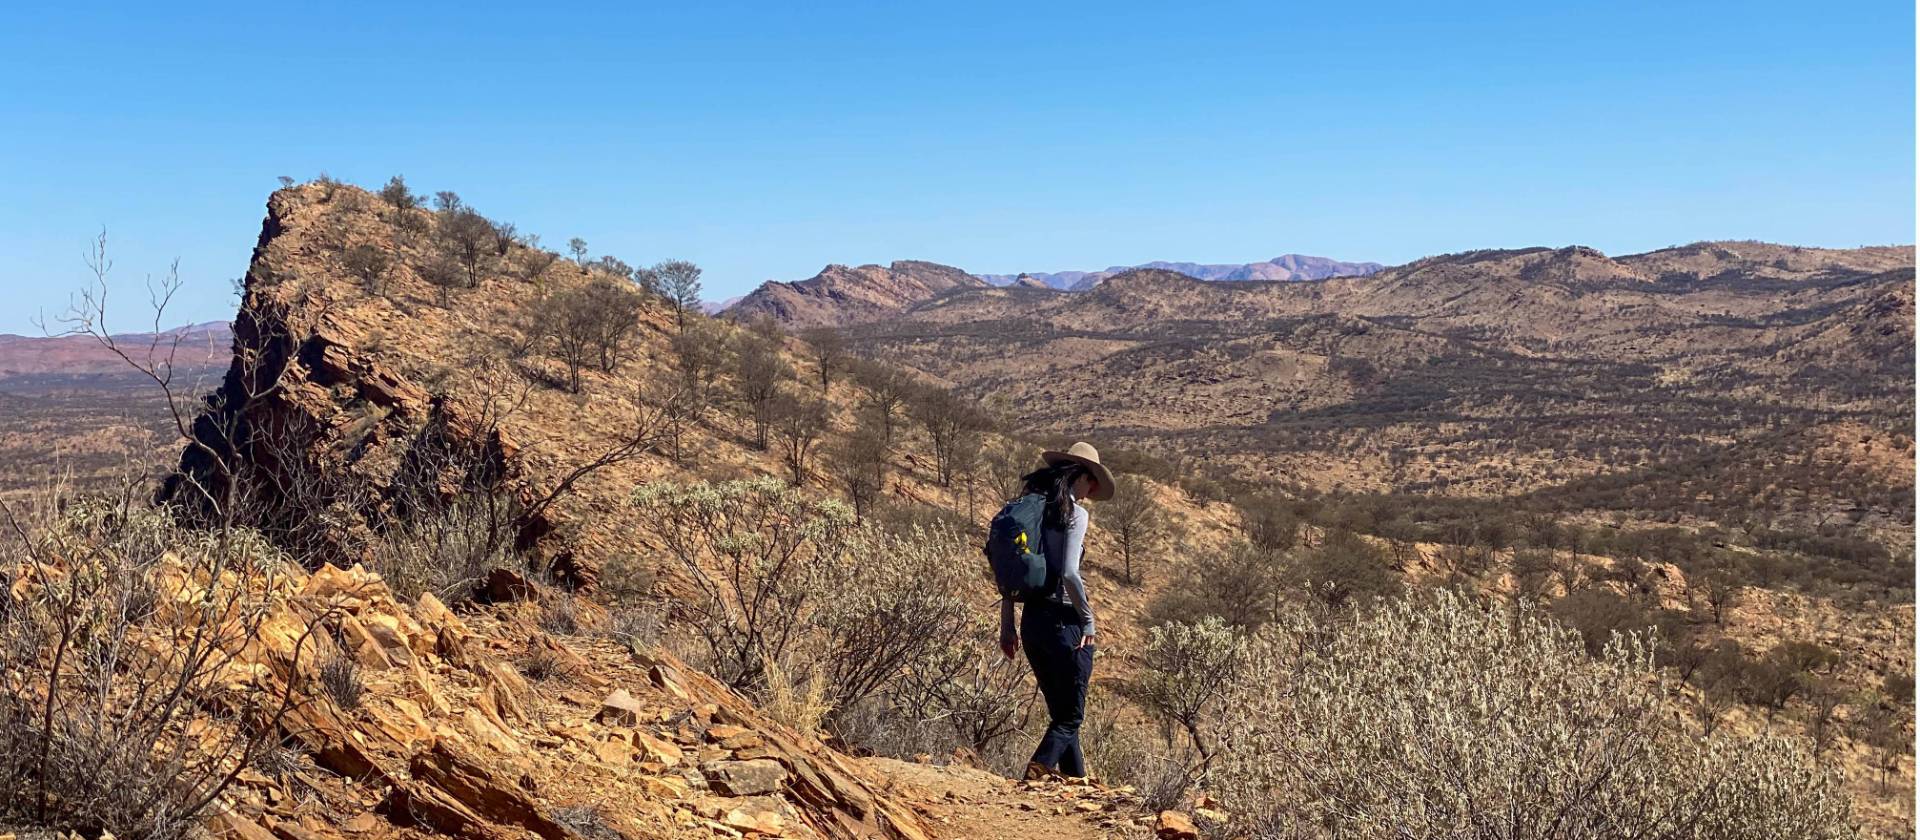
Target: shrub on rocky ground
{"type": "Point", "coordinates": [1440, 716]}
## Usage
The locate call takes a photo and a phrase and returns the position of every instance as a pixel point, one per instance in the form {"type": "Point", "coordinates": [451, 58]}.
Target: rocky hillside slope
{"type": "Point", "coordinates": [336, 398]}
{"type": "Point", "coordinates": [842, 295]}
{"type": "Point", "coordinates": [1482, 373]}
{"type": "Point", "coordinates": [484, 722]}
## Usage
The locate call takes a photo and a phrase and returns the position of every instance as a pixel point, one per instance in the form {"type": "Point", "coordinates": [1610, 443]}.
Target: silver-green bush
{"type": "Point", "coordinates": [1443, 717]}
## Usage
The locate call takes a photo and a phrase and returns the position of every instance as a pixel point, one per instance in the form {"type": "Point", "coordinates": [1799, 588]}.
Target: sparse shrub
{"type": "Point", "coordinates": [1344, 569]}
{"type": "Point", "coordinates": [560, 614]}
{"type": "Point", "coordinates": [699, 354]}
{"type": "Point", "coordinates": [830, 357]}
{"type": "Point", "coordinates": [444, 275]}
{"type": "Point", "coordinates": [978, 699]}
{"type": "Point", "coordinates": [540, 662]}
{"type": "Point", "coordinates": [445, 547]}
{"type": "Point", "coordinates": [505, 236]}
{"type": "Point", "coordinates": [758, 373]}
{"type": "Point", "coordinates": [754, 552]}
{"type": "Point", "coordinates": [679, 282]}
{"type": "Point", "coordinates": [1599, 615]}
{"type": "Point", "coordinates": [858, 461]}
{"type": "Point", "coordinates": [901, 602]}
{"type": "Point", "coordinates": [397, 194]}
{"type": "Point", "coordinates": [1241, 585]}
{"type": "Point", "coordinates": [340, 680]}
{"type": "Point", "coordinates": [1442, 717]}
{"type": "Point", "coordinates": [587, 821]}
{"type": "Point", "coordinates": [120, 633]}
{"type": "Point", "coordinates": [637, 628]}
{"type": "Point", "coordinates": [368, 264]}
{"type": "Point", "coordinates": [799, 419]}
{"type": "Point", "coordinates": [1270, 523]}
{"type": "Point", "coordinates": [885, 392]}
{"type": "Point", "coordinates": [797, 695]}
{"type": "Point", "coordinates": [588, 324]}
{"type": "Point", "coordinates": [468, 237]}
{"type": "Point", "coordinates": [1187, 670]}
{"type": "Point", "coordinates": [954, 427]}
{"type": "Point", "coordinates": [534, 263]}
{"type": "Point", "coordinates": [1136, 521]}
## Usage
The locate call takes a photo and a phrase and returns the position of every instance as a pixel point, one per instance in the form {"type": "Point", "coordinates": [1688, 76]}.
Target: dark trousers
{"type": "Point", "coordinates": [1051, 634]}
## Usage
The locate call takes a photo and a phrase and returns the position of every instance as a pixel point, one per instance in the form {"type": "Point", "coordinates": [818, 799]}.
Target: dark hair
{"type": "Point", "coordinates": [1056, 483]}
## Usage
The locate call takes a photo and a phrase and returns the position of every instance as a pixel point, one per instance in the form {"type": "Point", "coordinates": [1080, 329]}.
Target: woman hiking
{"type": "Point", "coordinates": [1057, 621]}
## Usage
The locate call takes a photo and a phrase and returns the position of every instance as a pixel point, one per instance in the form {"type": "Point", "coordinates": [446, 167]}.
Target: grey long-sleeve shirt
{"type": "Point", "coordinates": [1067, 546]}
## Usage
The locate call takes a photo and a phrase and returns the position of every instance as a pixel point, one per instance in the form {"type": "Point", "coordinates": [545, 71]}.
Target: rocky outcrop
{"type": "Point", "coordinates": [450, 739]}
{"type": "Point", "coordinates": [840, 295]}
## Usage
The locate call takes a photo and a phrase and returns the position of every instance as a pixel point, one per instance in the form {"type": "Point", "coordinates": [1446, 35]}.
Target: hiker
{"type": "Point", "coordinates": [1057, 621]}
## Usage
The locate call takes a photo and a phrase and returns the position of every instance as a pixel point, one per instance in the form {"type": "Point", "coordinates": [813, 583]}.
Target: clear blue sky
{"type": "Point", "coordinates": [766, 140]}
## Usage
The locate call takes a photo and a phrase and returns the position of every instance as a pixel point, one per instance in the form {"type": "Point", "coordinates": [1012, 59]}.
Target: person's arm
{"type": "Point", "coordinates": [1009, 639]}
{"type": "Point", "coordinates": [1070, 571]}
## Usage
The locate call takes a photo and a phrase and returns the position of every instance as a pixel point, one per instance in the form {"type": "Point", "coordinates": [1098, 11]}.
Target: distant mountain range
{"type": "Point", "coordinates": [841, 295]}
{"type": "Point", "coordinates": [1285, 267]}
{"type": "Point", "coordinates": [195, 346]}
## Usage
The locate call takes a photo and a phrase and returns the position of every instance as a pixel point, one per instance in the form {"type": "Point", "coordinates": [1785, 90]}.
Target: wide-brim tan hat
{"type": "Point", "coordinates": [1085, 455]}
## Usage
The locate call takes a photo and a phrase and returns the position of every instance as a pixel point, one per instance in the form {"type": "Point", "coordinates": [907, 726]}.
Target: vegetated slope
{"type": "Point", "coordinates": [380, 380]}
{"type": "Point", "coordinates": [1285, 267]}
{"type": "Point", "coordinates": [1483, 373]}
{"type": "Point", "coordinates": [344, 399]}
{"type": "Point", "coordinates": [840, 294]}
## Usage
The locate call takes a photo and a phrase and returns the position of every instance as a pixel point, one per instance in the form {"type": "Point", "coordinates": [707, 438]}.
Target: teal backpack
{"type": "Point", "coordinates": [1016, 548]}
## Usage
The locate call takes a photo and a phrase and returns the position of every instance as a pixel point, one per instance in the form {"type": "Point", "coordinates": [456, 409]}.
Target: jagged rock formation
{"type": "Point", "coordinates": [449, 739]}
{"type": "Point", "coordinates": [342, 407]}
{"type": "Point", "coordinates": [841, 295]}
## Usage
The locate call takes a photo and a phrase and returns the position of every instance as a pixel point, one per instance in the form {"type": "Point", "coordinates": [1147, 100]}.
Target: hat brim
{"type": "Point", "coordinates": [1103, 480]}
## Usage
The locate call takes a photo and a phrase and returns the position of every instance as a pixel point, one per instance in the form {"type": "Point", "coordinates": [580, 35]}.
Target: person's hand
{"type": "Point", "coordinates": [1086, 640]}
{"type": "Point", "coordinates": [1009, 645]}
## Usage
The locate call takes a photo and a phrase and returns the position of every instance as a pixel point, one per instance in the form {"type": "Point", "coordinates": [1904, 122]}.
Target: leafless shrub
{"type": "Point", "coordinates": [588, 324]}
{"type": "Point", "coordinates": [830, 355]}
{"type": "Point", "coordinates": [955, 427]}
{"type": "Point", "coordinates": [1135, 520]}
{"type": "Point", "coordinates": [799, 419]}
{"type": "Point", "coordinates": [759, 371]}
{"type": "Point", "coordinates": [121, 624]}
{"type": "Point", "coordinates": [116, 636]}
{"type": "Point", "coordinates": [755, 551]}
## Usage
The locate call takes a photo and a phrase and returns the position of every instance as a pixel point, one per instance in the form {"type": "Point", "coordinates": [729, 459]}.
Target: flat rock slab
{"type": "Point", "coordinates": [745, 778]}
